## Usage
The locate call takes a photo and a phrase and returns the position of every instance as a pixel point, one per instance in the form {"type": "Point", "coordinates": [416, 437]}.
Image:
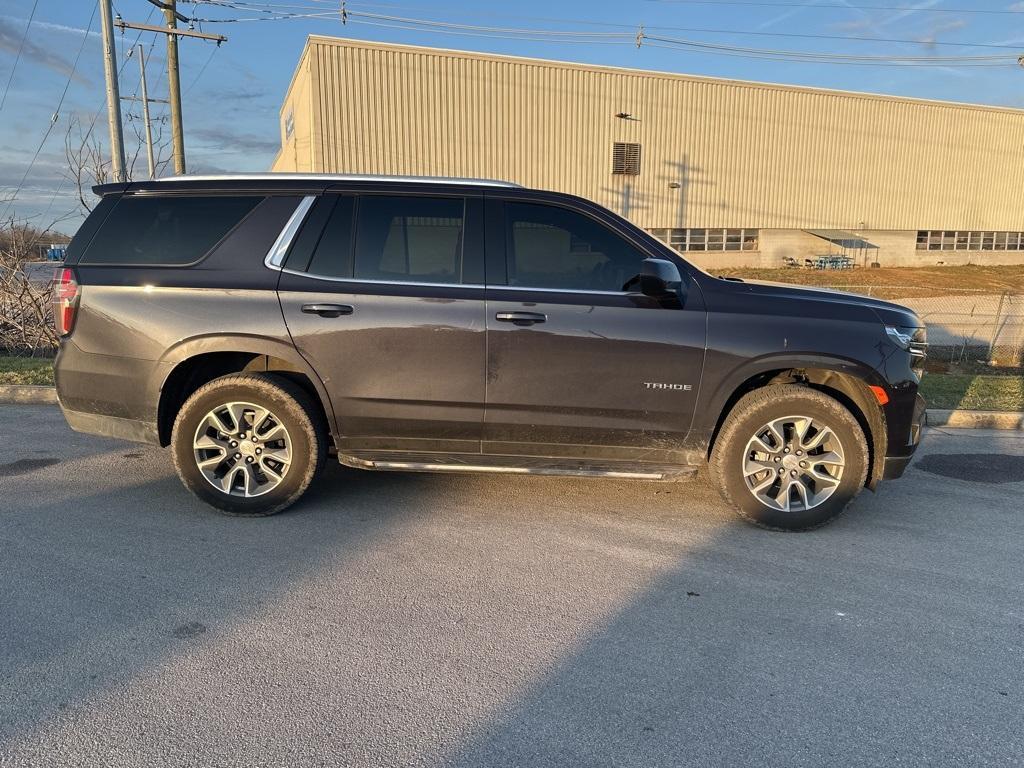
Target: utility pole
{"type": "Point", "coordinates": [174, 87]}
{"type": "Point", "coordinates": [145, 114]}
{"type": "Point", "coordinates": [113, 93]}
{"type": "Point", "coordinates": [171, 17]}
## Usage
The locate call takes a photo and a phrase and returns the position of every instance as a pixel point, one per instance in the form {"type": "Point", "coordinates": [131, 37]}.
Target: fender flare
{"type": "Point", "coordinates": [718, 402]}
{"type": "Point", "coordinates": [187, 349]}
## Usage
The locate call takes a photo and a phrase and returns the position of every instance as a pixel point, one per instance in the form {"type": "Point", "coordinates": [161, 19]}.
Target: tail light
{"type": "Point", "coordinates": [65, 299]}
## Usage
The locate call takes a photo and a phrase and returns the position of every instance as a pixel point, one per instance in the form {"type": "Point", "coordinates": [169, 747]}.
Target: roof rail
{"type": "Point", "coordinates": [340, 177]}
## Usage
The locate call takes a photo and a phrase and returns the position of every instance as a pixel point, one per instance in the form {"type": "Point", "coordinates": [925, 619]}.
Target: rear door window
{"type": "Point", "coordinates": [332, 256]}
{"type": "Point", "coordinates": [409, 239]}
{"type": "Point", "coordinates": [166, 231]}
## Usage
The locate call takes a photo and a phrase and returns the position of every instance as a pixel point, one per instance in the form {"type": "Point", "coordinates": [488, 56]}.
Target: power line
{"type": "Point", "coordinates": [575, 36]}
{"type": "Point", "coordinates": [841, 6]}
{"type": "Point", "coordinates": [991, 59]}
{"type": "Point", "coordinates": [290, 10]}
{"type": "Point", "coordinates": [672, 47]}
{"type": "Point", "coordinates": [202, 69]}
{"type": "Point", "coordinates": [854, 38]}
{"type": "Point", "coordinates": [17, 57]}
{"type": "Point", "coordinates": [54, 117]}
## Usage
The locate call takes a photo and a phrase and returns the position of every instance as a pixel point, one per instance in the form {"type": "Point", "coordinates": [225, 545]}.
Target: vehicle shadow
{"type": "Point", "coordinates": [882, 639]}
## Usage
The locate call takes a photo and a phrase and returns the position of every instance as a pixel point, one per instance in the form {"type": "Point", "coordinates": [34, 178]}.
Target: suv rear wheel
{"type": "Point", "coordinates": [789, 457]}
{"type": "Point", "coordinates": [249, 444]}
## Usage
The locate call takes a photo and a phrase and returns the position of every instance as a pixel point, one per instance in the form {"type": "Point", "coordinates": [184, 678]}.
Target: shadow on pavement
{"type": "Point", "coordinates": [891, 637]}
{"type": "Point", "coordinates": [396, 619]}
{"type": "Point", "coordinates": [98, 591]}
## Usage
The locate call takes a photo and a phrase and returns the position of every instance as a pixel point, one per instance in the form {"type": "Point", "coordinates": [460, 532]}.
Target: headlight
{"type": "Point", "coordinates": [914, 340]}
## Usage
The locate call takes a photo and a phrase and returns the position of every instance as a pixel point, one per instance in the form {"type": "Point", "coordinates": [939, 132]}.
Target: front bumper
{"type": "Point", "coordinates": [894, 466]}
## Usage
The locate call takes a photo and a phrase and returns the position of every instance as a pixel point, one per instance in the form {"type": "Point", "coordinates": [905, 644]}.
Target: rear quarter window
{"type": "Point", "coordinates": [168, 231]}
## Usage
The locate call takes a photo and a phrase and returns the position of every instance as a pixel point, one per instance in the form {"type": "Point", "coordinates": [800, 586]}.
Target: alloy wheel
{"type": "Point", "coordinates": [794, 463]}
{"type": "Point", "coordinates": [242, 449]}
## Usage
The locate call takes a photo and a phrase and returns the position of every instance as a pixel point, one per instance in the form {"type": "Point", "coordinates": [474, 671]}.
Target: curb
{"type": "Point", "coordinates": [974, 419]}
{"type": "Point", "coordinates": [28, 394]}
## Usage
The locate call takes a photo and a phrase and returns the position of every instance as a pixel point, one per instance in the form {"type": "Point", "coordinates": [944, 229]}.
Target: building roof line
{"type": "Point", "coordinates": [755, 84]}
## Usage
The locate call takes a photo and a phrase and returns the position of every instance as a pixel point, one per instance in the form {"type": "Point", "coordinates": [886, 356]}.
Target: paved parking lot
{"type": "Point", "coordinates": [433, 620]}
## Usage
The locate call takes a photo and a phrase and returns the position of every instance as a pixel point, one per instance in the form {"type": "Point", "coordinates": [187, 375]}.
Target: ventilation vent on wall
{"type": "Point", "coordinates": [625, 159]}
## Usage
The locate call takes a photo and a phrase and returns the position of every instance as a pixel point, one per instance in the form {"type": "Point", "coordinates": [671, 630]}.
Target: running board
{"type": "Point", "coordinates": [517, 465]}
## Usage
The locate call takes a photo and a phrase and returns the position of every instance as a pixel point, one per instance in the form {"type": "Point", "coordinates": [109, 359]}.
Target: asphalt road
{"type": "Point", "coordinates": [394, 620]}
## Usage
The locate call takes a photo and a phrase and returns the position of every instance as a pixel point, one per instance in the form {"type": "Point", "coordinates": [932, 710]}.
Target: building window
{"type": "Point", "coordinates": [945, 240]}
{"type": "Point", "coordinates": [708, 239]}
{"type": "Point", "coordinates": [289, 125]}
{"type": "Point", "coordinates": [625, 159]}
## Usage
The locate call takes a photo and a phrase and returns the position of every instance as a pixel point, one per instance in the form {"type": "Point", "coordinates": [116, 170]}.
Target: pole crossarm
{"type": "Point", "coordinates": [121, 24]}
{"type": "Point", "coordinates": [150, 100]}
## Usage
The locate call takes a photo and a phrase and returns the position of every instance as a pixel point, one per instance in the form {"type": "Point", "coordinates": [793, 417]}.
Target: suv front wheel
{"type": "Point", "coordinates": [789, 457]}
{"type": "Point", "coordinates": [249, 444]}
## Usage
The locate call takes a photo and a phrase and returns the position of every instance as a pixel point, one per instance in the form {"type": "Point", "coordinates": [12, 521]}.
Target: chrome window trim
{"type": "Point", "coordinates": [357, 281]}
{"type": "Point", "coordinates": [573, 291]}
{"type": "Point", "coordinates": [275, 256]}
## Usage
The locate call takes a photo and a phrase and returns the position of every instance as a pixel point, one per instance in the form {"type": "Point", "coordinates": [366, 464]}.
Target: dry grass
{"type": "Point", "coordinates": [941, 280]}
{"type": "Point", "coordinates": [974, 393]}
{"type": "Point", "coordinates": [26, 370]}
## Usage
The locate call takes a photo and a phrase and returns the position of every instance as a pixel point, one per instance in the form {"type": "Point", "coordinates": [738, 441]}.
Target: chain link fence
{"type": "Point", "coordinates": [964, 325]}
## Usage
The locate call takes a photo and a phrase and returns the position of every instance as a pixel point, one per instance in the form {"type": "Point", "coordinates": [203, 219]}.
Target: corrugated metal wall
{"type": "Point", "coordinates": [744, 155]}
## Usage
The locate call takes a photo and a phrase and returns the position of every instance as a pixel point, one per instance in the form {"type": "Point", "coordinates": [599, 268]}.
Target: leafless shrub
{"type": "Point", "coordinates": [26, 326]}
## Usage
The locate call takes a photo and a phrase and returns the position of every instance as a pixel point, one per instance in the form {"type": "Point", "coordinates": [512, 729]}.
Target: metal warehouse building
{"type": "Point", "coordinates": [732, 173]}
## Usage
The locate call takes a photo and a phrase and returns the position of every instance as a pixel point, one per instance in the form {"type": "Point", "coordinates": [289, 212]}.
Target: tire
{"type": "Point", "coordinates": [741, 464]}
{"type": "Point", "coordinates": [288, 449]}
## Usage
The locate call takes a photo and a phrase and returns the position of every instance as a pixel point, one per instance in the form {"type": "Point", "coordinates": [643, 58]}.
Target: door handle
{"type": "Point", "coordinates": [521, 318]}
{"type": "Point", "coordinates": [327, 310]}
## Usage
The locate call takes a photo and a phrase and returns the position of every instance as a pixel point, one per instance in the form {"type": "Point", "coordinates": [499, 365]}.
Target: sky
{"type": "Point", "coordinates": [231, 95]}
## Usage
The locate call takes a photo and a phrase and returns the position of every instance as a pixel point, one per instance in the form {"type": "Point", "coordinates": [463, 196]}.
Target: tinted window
{"type": "Point", "coordinates": [333, 254]}
{"type": "Point", "coordinates": [165, 230]}
{"type": "Point", "coordinates": [552, 247]}
{"type": "Point", "coordinates": [409, 239]}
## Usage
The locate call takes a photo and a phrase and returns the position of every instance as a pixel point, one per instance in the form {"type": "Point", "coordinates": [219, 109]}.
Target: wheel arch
{"type": "Point", "coordinates": [195, 362]}
{"type": "Point", "coordinates": [842, 380]}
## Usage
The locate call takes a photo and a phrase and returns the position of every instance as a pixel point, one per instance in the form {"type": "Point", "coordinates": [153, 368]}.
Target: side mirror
{"type": "Point", "coordinates": [659, 278]}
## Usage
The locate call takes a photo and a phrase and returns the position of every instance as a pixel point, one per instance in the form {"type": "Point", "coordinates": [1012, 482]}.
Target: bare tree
{"type": "Point", "coordinates": [25, 318]}
{"type": "Point", "coordinates": [87, 165]}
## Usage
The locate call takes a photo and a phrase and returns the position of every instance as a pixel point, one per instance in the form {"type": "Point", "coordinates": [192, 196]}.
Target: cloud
{"type": "Point", "coordinates": [77, 31]}
{"type": "Point", "coordinates": [228, 141]}
{"type": "Point", "coordinates": [10, 41]}
{"type": "Point", "coordinates": [1016, 7]}
{"type": "Point", "coordinates": [783, 16]}
{"type": "Point", "coordinates": [855, 25]}
{"type": "Point", "coordinates": [238, 94]}
{"type": "Point", "coordinates": [874, 25]}
{"type": "Point", "coordinates": [932, 36]}
{"type": "Point", "coordinates": [910, 11]}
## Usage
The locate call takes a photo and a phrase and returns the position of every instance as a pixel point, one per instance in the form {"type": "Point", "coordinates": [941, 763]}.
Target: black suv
{"type": "Point", "coordinates": [257, 324]}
